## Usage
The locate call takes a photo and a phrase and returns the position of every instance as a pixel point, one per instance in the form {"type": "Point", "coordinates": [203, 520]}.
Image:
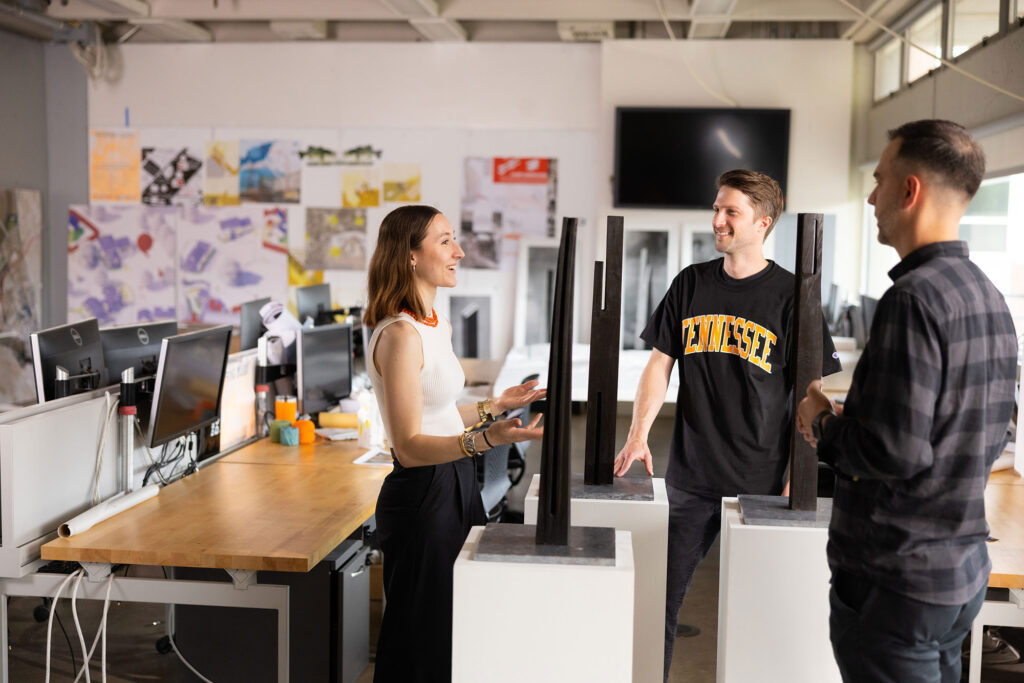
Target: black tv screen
{"type": "Point", "coordinates": [669, 158]}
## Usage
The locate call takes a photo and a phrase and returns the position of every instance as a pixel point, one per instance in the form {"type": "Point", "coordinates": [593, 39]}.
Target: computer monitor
{"type": "Point", "coordinates": [76, 347]}
{"type": "Point", "coordinates": [311, 300]}
{"type": "Point", "coordinates": [324, 366]}
{"type": "Point", "coordinates": [134, 346]}
{"type": "Point", "coordinates": [189, 382]}
{"type": "Point", "coordinates": [251, 325]}
{"type": "Point", "coordinates": [867, 306]}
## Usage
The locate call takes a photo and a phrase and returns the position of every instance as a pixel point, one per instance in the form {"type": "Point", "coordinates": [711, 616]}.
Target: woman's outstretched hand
{"type": "Point", "coordinates": [512, 431]}
{"type": "Point", "coordinates": [517, 397]}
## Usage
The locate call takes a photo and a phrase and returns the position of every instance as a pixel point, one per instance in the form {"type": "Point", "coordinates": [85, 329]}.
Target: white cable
{"type": "Point", "coordinates": [98, 468]}
{"type": "Point", "coordinates": [49, 623]}
{"type": "Point", "coordinates": [914, 45]}
{"type": "Point", "coordinates": [101, 630]}
{"type": "Point", "coordinates": [707, 88]}
{"type": "Point", "coordinates": [78, 625]}
{"type": "Point", "coordinates": [184, 661]}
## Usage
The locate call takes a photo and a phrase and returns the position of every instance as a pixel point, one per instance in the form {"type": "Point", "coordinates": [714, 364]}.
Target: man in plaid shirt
{"type": "Point", "coordinates": [925, 417]}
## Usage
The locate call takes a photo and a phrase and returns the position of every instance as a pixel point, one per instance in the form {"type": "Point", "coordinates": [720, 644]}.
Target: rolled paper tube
{"type": "Point", "coordinates": [289, 436]}
{"type": "Point", "coordinates": [307, 433]}
{"type": "Point", "coordinates": [105, 510]}
{"type": "Point", "coordinates": [339, 420]}
{"type": "Point", "coordinates": [285, 408]}
{"type": "Point", "coordinates": [275, 430]}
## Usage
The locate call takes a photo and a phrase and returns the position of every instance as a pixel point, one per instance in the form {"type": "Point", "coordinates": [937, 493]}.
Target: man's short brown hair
{"type": "Point", "coordinates": [943, 148]}
{"type": "Point", "coordinates": [763, 192]}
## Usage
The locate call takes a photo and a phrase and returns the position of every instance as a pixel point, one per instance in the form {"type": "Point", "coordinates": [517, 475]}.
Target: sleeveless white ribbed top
{"type": "Point", "coordinates": [441, 378]}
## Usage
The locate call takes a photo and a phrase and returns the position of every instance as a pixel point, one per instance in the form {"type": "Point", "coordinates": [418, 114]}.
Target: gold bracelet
{"type": "Point", "coordinates": [468, 450]}
{"type": "Point", "coordinates": [484, 410]}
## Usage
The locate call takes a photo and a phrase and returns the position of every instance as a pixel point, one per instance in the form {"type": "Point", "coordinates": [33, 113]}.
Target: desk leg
{"type": "Point", "coordinates": [977, 629]}
{"type": "Point", "coordinates": [209, 593]}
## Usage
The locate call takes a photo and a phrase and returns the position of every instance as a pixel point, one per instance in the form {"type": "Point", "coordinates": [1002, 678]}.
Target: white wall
{"type": "Point", "coordinates": [450, 101]}
{"type": "Point", "coordinates": [813, 78]}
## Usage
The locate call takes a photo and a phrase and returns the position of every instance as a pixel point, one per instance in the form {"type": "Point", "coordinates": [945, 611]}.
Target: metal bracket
{"type": "Point", "coordinates": [1017, 597]}
{"type": "Point", "coordinates": [96, 571]}
{"type": "Point", "coordinates": [242, 578]}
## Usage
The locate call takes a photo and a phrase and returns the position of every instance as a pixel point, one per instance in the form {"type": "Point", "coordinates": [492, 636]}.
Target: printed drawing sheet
{"type": "Point", "coordinates": [121, 263]}
{"type": "Point", "coordinates": [229, 255]}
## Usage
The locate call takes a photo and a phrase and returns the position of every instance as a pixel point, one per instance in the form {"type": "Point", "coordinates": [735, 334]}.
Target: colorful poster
{"type": "Point", "coordinates": [360, 188]}
{"type": "Point", "coordinates": [270, 171]}
{"type": "Point", "coordinates": [20, 275]}
{"type": "Point", "coordinates": [503, 199]}
{"type": "Point", "coordinates": [335, 239]}
{"type": "Point", "coordinates": [220, 184]}
{"type": "Point", "coordinates": [121, 263]}
{"type": "Point", "coordinates": [401, 182]}
{"type": "Point", "coordinates": [170, 175]}
{"type": "Point", "coordinates": [113, 166]}
{"type": "Point", "coordinates": [227, 256]}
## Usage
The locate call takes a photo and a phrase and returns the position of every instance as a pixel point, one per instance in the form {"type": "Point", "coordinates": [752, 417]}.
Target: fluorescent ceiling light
{"type": "Point", "coordinates": [440, 30]}
{"type": "Point", "coordinates": [413, 9]}
{"type": "Point", "coordinates": [708, 28]}
{"type": "Point", "coordinates": [300, 30]}
{"type": "Point", "coordinates": [122, 8]}
{"type": "Point", "coordinates": [714, 8]}
{"type": "Point", "coordinates": [174, 29]}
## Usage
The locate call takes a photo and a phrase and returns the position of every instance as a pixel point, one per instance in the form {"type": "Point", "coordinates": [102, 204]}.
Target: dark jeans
{"type": "Point", "coordinates": [879, 636]}
{"type": "Point", "coordinates": [693, 526]}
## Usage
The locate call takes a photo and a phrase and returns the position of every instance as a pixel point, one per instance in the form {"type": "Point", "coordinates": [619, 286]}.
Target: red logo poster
{"type": "Point", "coordinates": [530, 171]}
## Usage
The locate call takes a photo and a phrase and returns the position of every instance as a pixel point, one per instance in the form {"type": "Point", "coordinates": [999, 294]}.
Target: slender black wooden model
{"type": "Point", "coordinates": [806, 356]}
{"type": "Point", "coordinates": [603, 389]}
{"type": "Point", "coordinates": [553, 500]}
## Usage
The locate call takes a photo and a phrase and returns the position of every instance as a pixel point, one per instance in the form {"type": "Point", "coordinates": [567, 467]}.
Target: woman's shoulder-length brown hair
{"type": "Point", "coordinates": [390, 286]}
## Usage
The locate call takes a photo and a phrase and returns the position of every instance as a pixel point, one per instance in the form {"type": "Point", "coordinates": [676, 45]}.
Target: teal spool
{"type": "Point", "coordinates": [289, 436]}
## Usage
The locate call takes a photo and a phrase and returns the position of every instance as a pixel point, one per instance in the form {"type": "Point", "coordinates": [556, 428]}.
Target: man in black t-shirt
{"type": "Point", "coordinates": [728, 323]}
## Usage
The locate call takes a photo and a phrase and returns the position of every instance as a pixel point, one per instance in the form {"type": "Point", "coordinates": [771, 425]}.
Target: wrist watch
{"type": "Point", "coordinates": [468, 443]}
{"type": "Point", "coordinates": [818, 423]}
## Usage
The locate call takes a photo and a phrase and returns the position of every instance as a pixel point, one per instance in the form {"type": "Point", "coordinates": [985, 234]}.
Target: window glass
{"type": "Point", "coordinates": [992, 199]}
{"type": "Point", "coordinates": [973, 20]}
{"type": "Point", "coordinates": [984, 237]}
{"type": "Point", "coordinates": [887, 69]}
{"type": "Point", "coordinates": [926, 32]}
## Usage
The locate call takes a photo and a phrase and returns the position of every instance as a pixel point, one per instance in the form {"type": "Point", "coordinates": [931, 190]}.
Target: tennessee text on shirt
{"type": "Point", "coordinates": [718, 333]}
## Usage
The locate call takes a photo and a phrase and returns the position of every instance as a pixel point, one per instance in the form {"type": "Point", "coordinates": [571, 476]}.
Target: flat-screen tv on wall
{"type": "Point", "coordinates": [669, 158]}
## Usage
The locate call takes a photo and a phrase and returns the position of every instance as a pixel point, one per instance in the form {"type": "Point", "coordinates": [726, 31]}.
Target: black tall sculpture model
{"type": "Point", "coordinates": [803, 459]}
{"type": "Point", "coordinates": [553, 498]}
{"type": "Point", "coordinates": [603, 387]}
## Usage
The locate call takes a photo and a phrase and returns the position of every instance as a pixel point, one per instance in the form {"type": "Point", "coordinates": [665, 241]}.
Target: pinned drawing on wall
{"type": "Point", "coordinates": [223, 261]}
{"type": "Point", "coordinates": [503, 199]}
{"type": "Point", "coordinates": [220, 183]}
{"type": "Point", "coordinates": [275, 229]}
{"type": "Point", "coordinates": [269, 171]}
{"type": "Point", "coordinates": [401, 182]}
{"type": "Point", "coordinates": [360, 187]}
{"type": "Point", "coordinates": [535, 290]}
{"type": "Point", "coordinates": [170, 175]}
{"type": "Point", "coordinates": [121, 263]}
{"type": "Point", "coordinates": [648, 266]}
{"type": "Point", "coordinates": [20, 275]}
{"type": "Point", "coordinates": [335, 239]}
{"type": "Point", "coordinates": [114, 166]}
{"type": "Point", "coordinates": [702, 246]}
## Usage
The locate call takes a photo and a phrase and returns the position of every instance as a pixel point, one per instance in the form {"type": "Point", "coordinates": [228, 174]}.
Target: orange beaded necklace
{"type": "Point", "coordinates": [429, 321]}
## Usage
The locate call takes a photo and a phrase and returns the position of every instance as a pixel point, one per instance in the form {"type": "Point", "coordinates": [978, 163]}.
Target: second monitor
{"type": "Point", "coordinates": [324, 367]}
{"type": "Point", "coordinates": [312, 301]}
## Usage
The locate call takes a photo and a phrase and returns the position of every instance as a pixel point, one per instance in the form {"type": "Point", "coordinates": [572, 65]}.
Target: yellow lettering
{"type": "Point", "coordinates": [769, 341]}
{"type": "Point", "coordinates": [727, 345]}
{"type": "Point", "coordinates": [688, 336]}
{"type": "Point", "coordinates": [746, 343]}
{"type": "Point", "coordinates": [716, 333]}
{"type": "Point", "coordinates": [755, 346]}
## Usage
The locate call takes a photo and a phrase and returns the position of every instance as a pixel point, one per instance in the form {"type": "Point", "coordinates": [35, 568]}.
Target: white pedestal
{"type": "Point", "coordinates": [773, 603]}
{"type": "Point", "coordinates": [647, 521]}
{"type": "Point", "coordinates": [519, 621]}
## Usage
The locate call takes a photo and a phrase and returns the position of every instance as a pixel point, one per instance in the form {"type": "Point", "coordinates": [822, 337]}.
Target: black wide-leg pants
{"type": "Point", "coordinates": [423, 517]}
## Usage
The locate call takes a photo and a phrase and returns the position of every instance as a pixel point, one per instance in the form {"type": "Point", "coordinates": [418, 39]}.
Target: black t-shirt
{"type": "Point", "coordinates": [732, 341]}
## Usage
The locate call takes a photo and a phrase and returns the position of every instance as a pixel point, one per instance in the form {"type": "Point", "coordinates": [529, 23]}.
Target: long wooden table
{"type": "Point", "coordinates": [263, 507]}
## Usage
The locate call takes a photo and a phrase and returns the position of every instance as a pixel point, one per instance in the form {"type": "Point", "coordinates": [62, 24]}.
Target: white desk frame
{"type": "Point", "coordinates": [240, 593]}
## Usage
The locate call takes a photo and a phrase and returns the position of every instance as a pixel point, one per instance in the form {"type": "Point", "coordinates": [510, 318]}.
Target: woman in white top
{"type": "Point", "coordinates": [430, 500]}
